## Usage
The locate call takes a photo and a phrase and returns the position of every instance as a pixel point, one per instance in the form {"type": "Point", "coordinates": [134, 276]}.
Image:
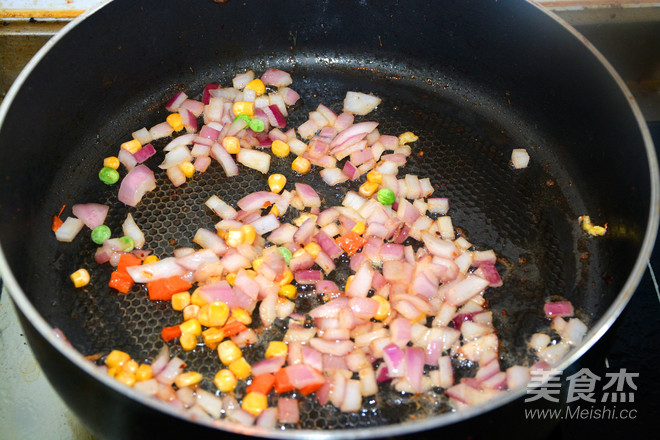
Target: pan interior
{"type": "Point", "coordinates": [529, 217]}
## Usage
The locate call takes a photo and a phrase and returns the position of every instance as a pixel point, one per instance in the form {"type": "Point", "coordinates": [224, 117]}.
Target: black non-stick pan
{"type": "Point", "coordinates": [473, 79]}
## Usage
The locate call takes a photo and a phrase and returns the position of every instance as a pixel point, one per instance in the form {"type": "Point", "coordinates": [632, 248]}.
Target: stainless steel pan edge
{"type": "Point", "coordinates": [598, 329]}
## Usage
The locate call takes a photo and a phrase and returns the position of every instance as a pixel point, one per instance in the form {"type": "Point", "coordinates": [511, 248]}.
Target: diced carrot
{"type": "Point", "coordinates": [262, 383]}
{"type": "Point", "coordinates": [282, 381]}
{"type": "Point", "coordinates": [163, 289]}
{"type": "Point", "coordinates": [127, 259]}
{"type": "Point", "coordinates": [170, 333]}
{"type": "Point", "coordinates": [57, 222]}
{"type": "Point", "coordinates": [121, 281]}
{"type": "Point", "coordinates": [233, 328]}
{"type": "Point", "coordinates": [351, 242]}
{"type": "Point", "coordinates": [309, 389]}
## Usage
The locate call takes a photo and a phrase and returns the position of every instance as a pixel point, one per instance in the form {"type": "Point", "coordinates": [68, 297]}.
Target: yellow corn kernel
{"type": "Point", "coordinates": [406, 137]}
{"type": "Point", "coordinates": [188, 341]}
{"type": "Point", "coordinates": [191, 326]}
{"type": "Point", "coordinates": [111, 161]}
{"type": "Point", "coordinates": [132, 146]}
{"type": "Point", "coordinates": [275, 211]}
{"type": "Point", "coordinates": [196, 299]}
{"type": "Point", "coordinates": [280, 148]}
{"type": "Point", "coordinates": [288, 291]}
{"type": "Point", "coordinates": [225, 381]}
{"type": "Point", "coordinates": [384, 308]}
{"type": "Point", "coordinates": [302, 217]}
{"type": "Point", "coordinates": [150, 259]}
{"type": "Point", "coordinates": [187, 168]}
{"type": "Point", "coordinates": [231, 144]}
{"type": "Point", "coordinates": [213, 315]}
{"type": "Point", "coordinates": [359, 228]}
{"type": "Point", "coordinates": [257, 262]}
{"type": "Point", "coordinates": [367, 189]}
{"type": "Point", "coordinates": [241, 315]}
{"type": "Point", "coordinates": [188, 379]}
{"type": "Point", "coordinates": [243, 108]}
{"type": "Point", "coordinates": [228, 352]}
{"type": "Point", "coordinates": [190, 312]}
{"type": "Point", "coordinates": [117, 358]}
{"type": "Point", "coordinates": [80, 278]}
{"type": "Point", "coordinates": [144, 372]}
{"type": "Point", "coordinates": [234, 238]}
{"type": "Point", "coordinates": [301, 165]}
{"type": "Point", "coordinates": [349, 280]}
{"type": "Point", "coordinates": [312, 249]}
{"type": "Point", "coordinates": [180, 301]}
{"type": "Point", "coordinates": [257, 85]}
{"type": "Point", "coordinates": [112, 372]}
{"type": "Point", "coordinates": [213, 337]}
{"type": "Point", "coordinates": [287, 277]}
{"type": "Point", "coordinates": [175, 121]}
{"type": "Point", "coordinates": [276, 183]}
{"type": "Point", "coordinates": [126, 378]}
{"type": "Point", "coordinates": [230, 278]}
{"type": "Point", "coordinates": [374, 176]}
{"type": "Point", "coordinates": [222, 234]}
{"type": "Point", "coordinates": [130, 367]}
{"type": "Point", "coordinates": [276, 348]}
{"type": "Point", "coordinates": [249, 234]}
{"type": "Point", "coordinates": [240, 368]}
{"type": "Point", "coordinates": [254, 403]}
{"type": "Point", "coordinates": [251, 273]}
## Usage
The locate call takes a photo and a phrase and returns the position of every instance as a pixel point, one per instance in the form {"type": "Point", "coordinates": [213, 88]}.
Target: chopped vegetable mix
{"type": "Point", "coordinates": [413, 303]}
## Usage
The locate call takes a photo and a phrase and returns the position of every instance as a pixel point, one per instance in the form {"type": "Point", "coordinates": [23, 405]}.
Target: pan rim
{"type": "Point", "coordinates": [599, 328]}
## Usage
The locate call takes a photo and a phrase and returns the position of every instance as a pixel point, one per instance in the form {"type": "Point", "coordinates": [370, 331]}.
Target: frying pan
{"type": "Point", "coordinates": [474, 79]}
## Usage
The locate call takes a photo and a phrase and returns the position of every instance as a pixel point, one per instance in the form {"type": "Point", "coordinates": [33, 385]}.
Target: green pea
{"type": "Point", "coordinates": [108, 175]}
{"type": "Point", "coordinates": [285, 253]}
{"type": "Point", "coordinates": [246, 118]}
{"type": "Point", "coordinates": [101, 234]}
{"type": "Point", "coordinates": [386, 196]}
{"type": "Point", "coordinates": [128, 242]}
{"type": "Point", "coordinates": [257, 125]}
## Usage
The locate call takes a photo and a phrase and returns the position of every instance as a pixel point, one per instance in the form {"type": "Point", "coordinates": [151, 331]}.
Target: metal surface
{"type": "Point", "coordinates": [465, 139]}
{"type": "Point", "coordinates": [19, 41]}
{"type": "Point", "coordinates": [29, 407]}
{"type": "Point", "coordinates": [581, 12]}
{"type": "Point", "coordinates": [58, 9]}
